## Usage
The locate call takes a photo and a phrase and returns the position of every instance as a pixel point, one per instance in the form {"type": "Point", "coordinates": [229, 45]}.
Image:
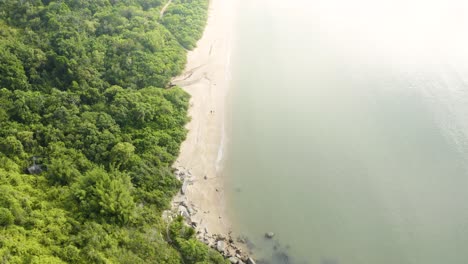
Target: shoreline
{"type": "Point", "coordinates": [199, 166]}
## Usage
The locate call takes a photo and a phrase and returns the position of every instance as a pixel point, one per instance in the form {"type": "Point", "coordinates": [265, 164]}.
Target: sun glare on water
{"type": "Point", "coordinates": [399, 31]}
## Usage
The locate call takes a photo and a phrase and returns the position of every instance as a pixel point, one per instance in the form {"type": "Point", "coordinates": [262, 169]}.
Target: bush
{"type": "Point", "coordinates": [6, 217]}
{"type": "Point", "coordinates": [104, 196]}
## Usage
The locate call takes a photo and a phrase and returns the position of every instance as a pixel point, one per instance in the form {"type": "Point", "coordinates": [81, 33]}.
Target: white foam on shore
{"type": "Point", "coordinates": [219, 158]}
{"type": "Point", "coordinates": [227, 73]}
{"type": "Point", "coordinates": [227, 77]}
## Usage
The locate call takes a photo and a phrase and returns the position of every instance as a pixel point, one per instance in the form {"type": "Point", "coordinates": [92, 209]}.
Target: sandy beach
{"type": "Point", "coordinates": [206, 79]}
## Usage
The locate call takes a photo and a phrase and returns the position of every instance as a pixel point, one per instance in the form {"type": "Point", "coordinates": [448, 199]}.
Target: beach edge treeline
{"type": "Point", "coordinates": [88, 131]}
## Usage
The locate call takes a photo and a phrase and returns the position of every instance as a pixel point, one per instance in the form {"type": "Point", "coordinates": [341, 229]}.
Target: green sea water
{"type": "Point", "coordinates": [347, 131]}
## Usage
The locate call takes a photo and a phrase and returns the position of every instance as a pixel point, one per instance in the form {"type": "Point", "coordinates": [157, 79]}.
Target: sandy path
{"type": "Point", "coordinates": [206, 78]}
{"type": "Point", "coordinates": [161, 14]}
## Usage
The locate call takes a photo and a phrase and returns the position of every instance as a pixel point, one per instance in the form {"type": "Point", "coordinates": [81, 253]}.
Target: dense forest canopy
{"type": "Point", "coordinates": [88, 131]}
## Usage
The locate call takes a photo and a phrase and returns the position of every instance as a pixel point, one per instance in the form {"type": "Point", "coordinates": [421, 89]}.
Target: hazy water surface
{"type": "Point", "coordinates": [348, 130]}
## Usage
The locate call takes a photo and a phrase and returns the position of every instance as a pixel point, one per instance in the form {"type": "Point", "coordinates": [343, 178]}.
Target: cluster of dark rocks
{"type": "Point", "coordinates": [228, 248]}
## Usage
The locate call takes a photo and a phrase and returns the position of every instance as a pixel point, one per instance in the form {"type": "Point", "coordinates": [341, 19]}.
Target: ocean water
{"type": "Point", "coordinates": [347, 131]}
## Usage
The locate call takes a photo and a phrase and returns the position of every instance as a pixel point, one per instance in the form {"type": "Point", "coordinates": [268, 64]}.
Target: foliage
{"type": "Point", "coordinates": [82, 98]}
{"type": "Point", "coordinates": [6, 217]}
{"type": "Point", "coordinates": [186, 19]}
{"type": "Point", "coordinates": [104, 196]}
{"type": "Point", "coordinates": [193, 251]}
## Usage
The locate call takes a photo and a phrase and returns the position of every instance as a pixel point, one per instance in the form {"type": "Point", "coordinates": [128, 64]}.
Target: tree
{"type": "Point", "coordinates": [62, 171]}
{"type": "Point", "coordinates": [121, 153]}
{"type": "Point", "coordinates": [193, 250]}
{"type": "Point", "coordinates": [11, 146]}
{"type": "Point", "coordinates": [6, 217]}
{"type": "Point", "coordinates": [104, 196]}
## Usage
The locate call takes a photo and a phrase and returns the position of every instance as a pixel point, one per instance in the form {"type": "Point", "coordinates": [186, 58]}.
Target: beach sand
{"type": "Point", "coordinates": [206, 78]}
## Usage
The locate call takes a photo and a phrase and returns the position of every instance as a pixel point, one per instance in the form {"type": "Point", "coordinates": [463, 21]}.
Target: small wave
{"type": "Point", "coordinates": [219, 158]}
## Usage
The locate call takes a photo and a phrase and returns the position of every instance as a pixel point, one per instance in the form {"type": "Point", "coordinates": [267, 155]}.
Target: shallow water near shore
{"type": "Point", "coordinates": [347, 131]}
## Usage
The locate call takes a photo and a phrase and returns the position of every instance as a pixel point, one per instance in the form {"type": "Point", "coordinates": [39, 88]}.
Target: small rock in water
{"type": "Point", "coordinates": [241, 239]}
{"type": "Point", "coordinates": [269, 235]}
{"type": "Point", "coordinates": [250, 244]}
{"type": "Point", "coordinates": [282, 257]}
{"type": "Point", "coordinates": [234, 260]}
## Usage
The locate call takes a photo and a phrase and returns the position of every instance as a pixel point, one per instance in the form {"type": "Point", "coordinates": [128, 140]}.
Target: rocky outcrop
{"type": "Point", "coordinates": [183, 211]}
{"type": "Point", "coordinates": [231, 249]}
{"type": "Point", "coordinates": [251, 261]}
{"type": "Point", "coordinates": [220, 246]}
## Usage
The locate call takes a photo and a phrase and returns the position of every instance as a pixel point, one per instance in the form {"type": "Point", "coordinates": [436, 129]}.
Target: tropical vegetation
{"type": "Point", "coordinates": [89, 129]}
